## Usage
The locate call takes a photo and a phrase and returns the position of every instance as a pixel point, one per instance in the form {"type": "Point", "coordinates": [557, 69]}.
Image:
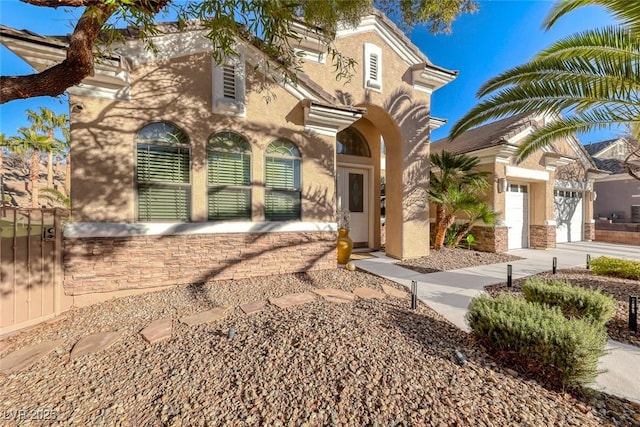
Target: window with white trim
{"type": "Point", "coordinates": [372, 67]}
{"type": "Point", "coordinates": [163, 173]}
{"type": "Point", "coordinates": [283, 189]}
{"type": "Point", "coordinates": [229, 87]}
{"type": "Point", "coordinates": [228, 177]}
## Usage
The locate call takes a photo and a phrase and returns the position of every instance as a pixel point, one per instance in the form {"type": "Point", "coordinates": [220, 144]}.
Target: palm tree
{"type": "Point", "coordinates": [28, 139]}
{"type": "Point", "coordinates": [454, 184]}
{"type": "Point", "coordinates": [476, 213]}
{"type": "Point", "coordinates": [592, 78]}
{"type": "Point", "coordinates": [47, 121]}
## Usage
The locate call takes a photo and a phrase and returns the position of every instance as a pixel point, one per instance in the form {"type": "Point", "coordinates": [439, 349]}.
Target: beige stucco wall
{"type": "Point", "coordinates": [180, 91]}
{"type": "Point", "coordinates": [401, 115]}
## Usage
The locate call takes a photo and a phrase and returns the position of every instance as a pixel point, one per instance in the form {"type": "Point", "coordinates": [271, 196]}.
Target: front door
{"type": "Point", "coordinates": [353, 194]}
{"type": "Point", "coordinates": [517, 216]}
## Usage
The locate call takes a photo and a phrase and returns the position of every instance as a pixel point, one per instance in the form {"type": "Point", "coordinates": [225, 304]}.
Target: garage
{"type": "Point", "coordinates": [517, 215]}
{"type": "Point", "coordinates": [568, 207]}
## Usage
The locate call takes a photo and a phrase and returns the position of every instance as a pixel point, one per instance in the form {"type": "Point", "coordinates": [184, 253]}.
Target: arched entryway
{"type": "Point", "coordinates": [406, 139]}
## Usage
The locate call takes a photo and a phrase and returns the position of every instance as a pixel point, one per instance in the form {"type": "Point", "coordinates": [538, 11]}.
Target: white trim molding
{"type": "Point", "coordinates": [327, 120]}
{"type": "Point", "coordinates": [427, 78]}
{"type": "Point", "coordinates": [523, 173]}
{"type": "Point", "coordinates": [104, 229]}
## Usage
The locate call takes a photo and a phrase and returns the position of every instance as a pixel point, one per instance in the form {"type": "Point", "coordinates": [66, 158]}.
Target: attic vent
{"type": "Point", "coordinates": [373, 66]}
{"type": "Point", "coordinates": [229, 81]}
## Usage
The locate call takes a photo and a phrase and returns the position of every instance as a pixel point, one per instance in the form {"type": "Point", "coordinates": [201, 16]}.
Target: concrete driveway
{"type": "Point", "coordinates": [450, 292]}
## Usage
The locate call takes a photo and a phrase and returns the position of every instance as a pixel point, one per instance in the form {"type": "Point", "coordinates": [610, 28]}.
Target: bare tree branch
{"type": "Point", "coordinates": [78, 64]}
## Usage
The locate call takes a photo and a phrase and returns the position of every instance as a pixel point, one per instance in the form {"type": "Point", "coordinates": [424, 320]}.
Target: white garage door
{"type": "Point", "coordinates": [517, 215]}
{"type": "Point", "coordinates": [568, 209]}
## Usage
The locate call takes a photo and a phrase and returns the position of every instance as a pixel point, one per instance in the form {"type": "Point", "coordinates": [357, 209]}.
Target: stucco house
{"type": "Point", "coordinates": [187, 171]}
{"type": "Point", "coordinates": [618, 194]}
{"type": "Point", "coordinates": [544, 200]}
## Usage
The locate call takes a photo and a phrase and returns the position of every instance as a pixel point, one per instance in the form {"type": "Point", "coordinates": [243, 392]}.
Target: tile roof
{"type": "Point", "coordinates": [489, 135]}
{"type": "Point", "coordinates": [610, 165]}
{"type": "Point", "coordinates": [594, 148]}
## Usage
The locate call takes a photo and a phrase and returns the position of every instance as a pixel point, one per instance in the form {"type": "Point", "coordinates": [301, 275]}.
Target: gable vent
{"type": "Point", "coordinates": [373, 66]}
{"type": "Point", "coordinates": [229, 81]}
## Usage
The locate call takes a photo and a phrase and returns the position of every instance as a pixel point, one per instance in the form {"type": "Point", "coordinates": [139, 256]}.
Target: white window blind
{"type": "Point", "coordinates": [282, 182]}
{"type": "Point", "coordinates": [163, 173]}
{"type": "Point", "coordinates": [229, 177]}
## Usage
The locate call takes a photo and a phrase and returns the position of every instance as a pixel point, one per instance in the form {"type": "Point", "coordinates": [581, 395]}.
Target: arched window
{"type": "Point", "coordinates": [282, 181]}
{"type": "Point", "coordinates": [162, 173]}
{"type": "Point", "coordinates": [229, 177]}
{"type": "Point", "coordinates": [350, 141]}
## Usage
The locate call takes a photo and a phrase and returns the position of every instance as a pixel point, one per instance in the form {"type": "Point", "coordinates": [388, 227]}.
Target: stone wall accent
{"type": "Point", "coordinates": [108, 264]}
{"type": "Point", "coordinates": [490, 239]}
{"type": "Point", "coordinates": [623, 237]}
{"type": "Point", "coordinates": [542, 236]}
{"type": "Point", "coordinates": [589, 230]}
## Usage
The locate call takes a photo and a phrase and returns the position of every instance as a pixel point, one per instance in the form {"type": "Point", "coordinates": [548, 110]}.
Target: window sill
{"type": "Point", "coordinates": [103, 229]}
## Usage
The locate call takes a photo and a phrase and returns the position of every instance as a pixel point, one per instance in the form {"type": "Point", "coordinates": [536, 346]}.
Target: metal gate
{"type": "Point", "coordinates": [31, 275]}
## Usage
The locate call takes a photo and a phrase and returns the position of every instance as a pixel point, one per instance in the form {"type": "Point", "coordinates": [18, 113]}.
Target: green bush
{"type": "Point", "coordinates": [541, 335]}
{"type": "Point", "coordinates": [616, 267]}
{"type": "Point", "coordinates": [573, 301]}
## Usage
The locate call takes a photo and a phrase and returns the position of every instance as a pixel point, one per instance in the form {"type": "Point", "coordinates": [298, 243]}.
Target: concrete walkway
{"type": "Point", "coordinates": [450, 292]}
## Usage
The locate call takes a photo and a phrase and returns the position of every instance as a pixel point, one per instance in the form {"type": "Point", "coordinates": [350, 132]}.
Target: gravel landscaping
{"type": "Point", "coordinates": [619, 289]}
{"type": "Point", "coordinates": [454, 258]}
{"type": "Point", "coordinates": [369, 362]}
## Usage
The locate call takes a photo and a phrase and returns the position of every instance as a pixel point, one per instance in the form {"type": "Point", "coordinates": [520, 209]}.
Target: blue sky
{"type": "Point", "coordinates": [501, 35]}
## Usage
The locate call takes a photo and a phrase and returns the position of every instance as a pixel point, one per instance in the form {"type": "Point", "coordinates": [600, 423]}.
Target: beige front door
{"type": "Point", "coordinates": [353, 194]}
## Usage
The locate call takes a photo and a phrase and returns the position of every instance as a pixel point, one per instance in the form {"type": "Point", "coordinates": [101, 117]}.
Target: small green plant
{"type": "Point", "coordinates": [573, 301]}
{"type": "Point", "coordinates": [616, 267]}
{"type": "Point", "coordinates": [539, 336]}
{"type": "Point", "coordinates": [470, 240]}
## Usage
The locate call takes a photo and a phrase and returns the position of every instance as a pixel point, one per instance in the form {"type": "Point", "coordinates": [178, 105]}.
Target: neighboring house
{"type": "Point", "coordinates": [544, 200]}
{"type": "Point", "coordinates": [184, 172]}
{"type": "Point", "coordinates": [618, 194]}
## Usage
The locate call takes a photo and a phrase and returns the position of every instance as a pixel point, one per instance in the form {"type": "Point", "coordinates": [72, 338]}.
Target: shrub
{"type": "Point", "coordinates": [573, 301]}
{"type": "Point", "coordinates": [616, 267]}
{"type": "Point", "coordinates": [541, 335]}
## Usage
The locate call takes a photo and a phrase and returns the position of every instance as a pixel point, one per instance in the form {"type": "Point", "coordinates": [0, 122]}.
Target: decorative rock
{"type": "Point", "coordinates": [157, 330]}
{"type": "Point", "coordinates": [25, 357]}
{"type": "Point", "coordinates": [337, 296]}
{"type": "Point", "coordinates": [253, 307]}
{"type": "Point", "coordinates": [368, 293]}
{"type": "Point", "coordinates": [393, 292]}
{"type": "Point", "coordinates": [292, 300]}
{"type": "Point", "coordinates": [95, 343]}
{"type": "Point", "coordinates": [350, 266]}
{"type": "Point", "coordinates": [212, 315]}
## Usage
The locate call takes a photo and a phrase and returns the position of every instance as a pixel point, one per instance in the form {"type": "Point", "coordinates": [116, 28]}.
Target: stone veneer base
{"type": "Point", "coordinates": [109, 264]}
{"type": "Point", "coordinates": [542, 236]}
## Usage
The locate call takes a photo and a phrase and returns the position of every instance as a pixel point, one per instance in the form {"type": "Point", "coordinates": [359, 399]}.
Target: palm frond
{"type": "Point", "coordinates": [585, 122]}
{"type": "Point", "coordinates": [626, 11]}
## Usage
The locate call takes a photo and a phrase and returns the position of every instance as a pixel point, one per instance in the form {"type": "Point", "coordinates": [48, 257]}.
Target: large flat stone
{"type": "Point", "coordinates": [292, 300]}
{"type": "Point", "coordinates": [368, 293]}
{"type": "Point", "coordinates": [95, 343]}
{"type": "Point", "coordinates": [25, 357]}
{"type": "Point", "coordinates": [337, 296]}
{"type": "Point", "coordinates": [253, 307]}
{"type": "Point", "coordinates": [393, 292]}
{"type": "Point", "coordinates": [208, 316]}
{"type": "Point", "coordinates": [157, 330]}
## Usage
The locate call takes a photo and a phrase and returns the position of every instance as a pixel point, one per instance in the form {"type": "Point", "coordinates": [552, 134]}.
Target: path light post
{"type": "Point", "coordinates": [633, 313]}
{"type": "Point", "coordinates": [509, 276]}
{"type": "Point", "coordinates": [555, 264]}
{"type": "Point", "coordinates": [588, 261]}
{"type": "Point", "coordinates": [414, 295]}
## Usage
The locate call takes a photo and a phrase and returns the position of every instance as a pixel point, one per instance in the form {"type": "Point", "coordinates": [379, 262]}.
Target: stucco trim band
{"type": "Point", "coordinates": [101, 229]}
